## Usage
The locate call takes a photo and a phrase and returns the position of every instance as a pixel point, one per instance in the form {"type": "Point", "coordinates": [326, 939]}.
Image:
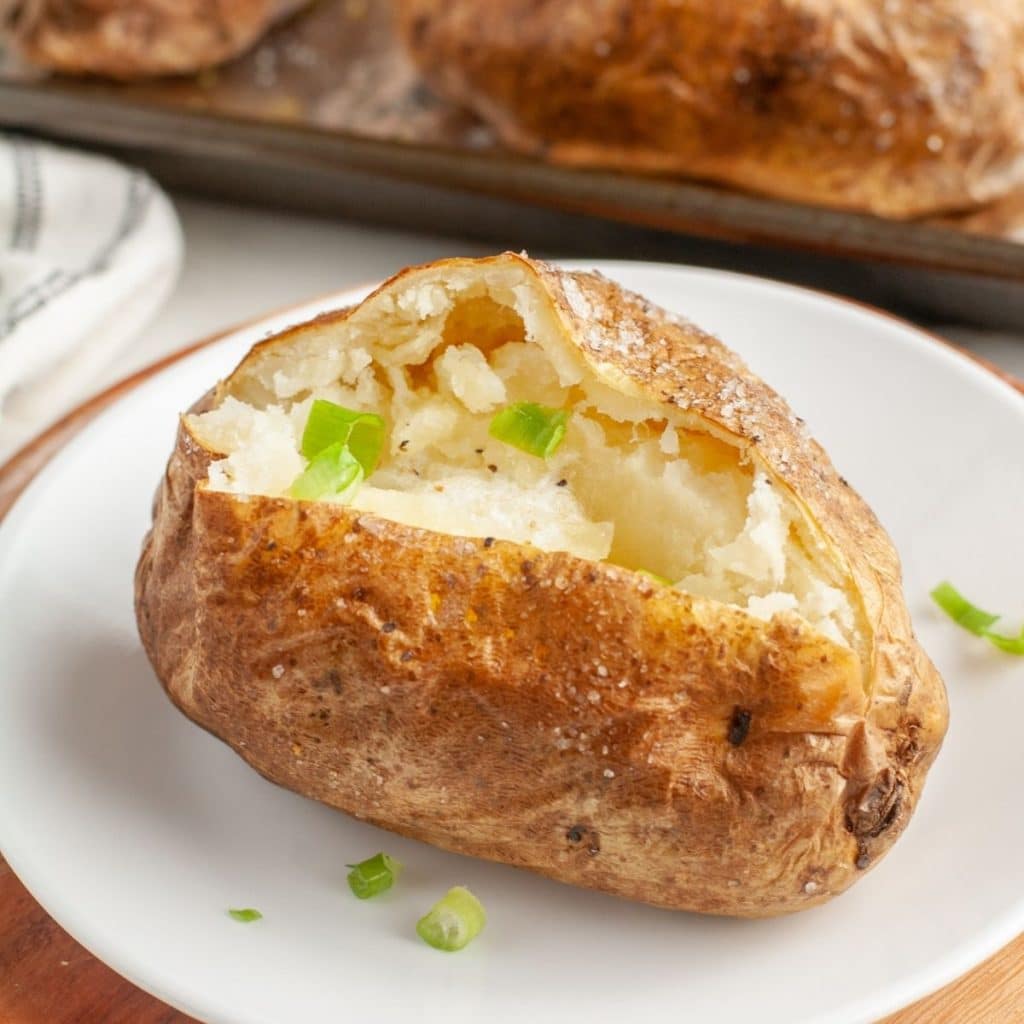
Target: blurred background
{"type": "Point", "coordinates": [288, 149]}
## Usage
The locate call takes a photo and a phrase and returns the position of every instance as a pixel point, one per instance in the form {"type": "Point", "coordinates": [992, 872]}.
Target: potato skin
{"type": "Point", "coordinates": [138, 38]}
{"type": "Point", "coordinates": [899, 109]}
{"type": "Point", "coordinates": [538, 709]}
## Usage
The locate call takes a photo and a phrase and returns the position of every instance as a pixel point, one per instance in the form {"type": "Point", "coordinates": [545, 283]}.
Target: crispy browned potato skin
{"type": "Point", "coordinates": [535, 708]}
{"type": "Point", "coordinates": [137, 38]}
{"type": "Point", "coordinates": [900, 109]}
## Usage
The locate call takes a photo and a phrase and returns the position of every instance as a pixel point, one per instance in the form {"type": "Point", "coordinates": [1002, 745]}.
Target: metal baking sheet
{"type": "Point", "coordinates": [327, 114]}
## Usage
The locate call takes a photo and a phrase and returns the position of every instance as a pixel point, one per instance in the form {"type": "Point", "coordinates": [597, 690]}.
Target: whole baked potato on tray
{"type": "Point", "coordinates": [128, 39]}
{"type": "Point", "coordinates": [891, 106]}
{"type": "Point", "coordinates": [512, 561]}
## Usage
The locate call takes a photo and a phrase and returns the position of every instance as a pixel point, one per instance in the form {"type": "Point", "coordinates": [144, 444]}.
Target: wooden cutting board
{"type": "Point", "coordinates": [48, 978]}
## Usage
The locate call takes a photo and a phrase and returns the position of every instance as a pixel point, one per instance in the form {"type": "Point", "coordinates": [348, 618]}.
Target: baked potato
{"type": "Point", "coordinates": [895, 107]}
{"type": "Point", "coordinates": [136, 38]}
{"type": "Point", "coordinates": [644, 640]}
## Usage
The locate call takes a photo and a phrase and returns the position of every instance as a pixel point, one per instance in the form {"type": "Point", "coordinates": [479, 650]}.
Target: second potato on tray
{"type": "Point", "coordinates": [893, 106]}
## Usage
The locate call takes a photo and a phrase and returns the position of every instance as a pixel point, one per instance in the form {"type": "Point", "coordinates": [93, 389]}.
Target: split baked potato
{"type": "Point", "coordinates": [642, 638]}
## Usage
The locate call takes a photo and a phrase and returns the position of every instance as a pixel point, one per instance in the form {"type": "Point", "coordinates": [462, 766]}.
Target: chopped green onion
{"type": "Point", "coordinates": [961, 611]}
{"type": "Point", "coordinates": [334, 472]}
{"type": "Point", "coordinates": [361, 432]}
{"type": "Point", "coordinates": [974, 619]}
{"type": "Point", "coordinates": [453, 921]}
{"type": "Point", "coordinates": [533, 428]}
{"type": "Point", "coordinates": [246, 915]}
{"type": "Point", "coordinates": [1010, 644]}
{"type": "Point", "coordinates": [373, 876]}
{"type": "Point", "coordinates": [663, 580]}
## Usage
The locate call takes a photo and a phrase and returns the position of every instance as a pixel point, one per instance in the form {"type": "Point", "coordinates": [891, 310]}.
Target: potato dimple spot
{"type": "Point", "coordinates": [739, 726]}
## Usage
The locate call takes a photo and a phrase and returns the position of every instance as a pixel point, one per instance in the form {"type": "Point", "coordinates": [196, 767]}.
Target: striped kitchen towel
{"type": "Point", "coordinates": [89, 251]}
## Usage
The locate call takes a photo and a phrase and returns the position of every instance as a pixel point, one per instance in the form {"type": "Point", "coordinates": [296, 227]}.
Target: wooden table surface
{"type": "Point", "coordinates": [48, 978]}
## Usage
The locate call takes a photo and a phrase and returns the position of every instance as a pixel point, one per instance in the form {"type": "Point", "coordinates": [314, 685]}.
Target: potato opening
{"type": "Point", "coordinates": [629, 484]}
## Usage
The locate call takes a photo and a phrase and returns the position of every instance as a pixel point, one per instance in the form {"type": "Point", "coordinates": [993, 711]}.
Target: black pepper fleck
{"type": "Point", "coordinates": [406, 656]}
{"type": "Point", "coordinates": [403, 446]}
{"type": "Point", "coordinates": [575, 834]}
{"type": "Point", "coordinates": [419, 28]}
{"type": "Point", "coordinates": [562, 482]}
{"type": "Point", "coordinates": [492, 467]}
{"type": "Point", "coordinates": [271, 545]}
{"type": "Point", "coordinates": [388, 627]}
{"type": "Point", "coordinates": [329, 680]}
{"type": "Point", "coordinates": [488, 541]}
{"type": "Point", "coordinates": [739, 726]}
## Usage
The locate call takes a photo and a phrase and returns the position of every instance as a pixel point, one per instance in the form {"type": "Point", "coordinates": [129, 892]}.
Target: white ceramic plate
{"type": "Point", "coordinates": [136, 830]}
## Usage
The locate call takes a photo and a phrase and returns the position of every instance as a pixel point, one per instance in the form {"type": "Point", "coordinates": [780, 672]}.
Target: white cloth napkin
{"type": "Point", "coordinates": [89, 251]}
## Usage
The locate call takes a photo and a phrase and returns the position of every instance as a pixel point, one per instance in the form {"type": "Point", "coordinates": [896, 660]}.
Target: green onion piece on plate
{"type": "Point", "coordinates": [453, 921]}
{"type": "Point", "coordinates": [974, 619]}
{"type": "Point", "coordinates": [245, 915]}
{"type": "Point", "coordinates": [361, 432]}
{"type": "Point", "coordinates": [1010, 644]}
{"type": "Point", "coordinates": [335, 472]}
{"type": "Point", "coordinates": [373, 876]}
{"type": "Point", "coordinates": [535, 429]}
{"type": "Point", "coordinates": [961, 611]}
{"type": "Point", "coordinates": [663, 580]}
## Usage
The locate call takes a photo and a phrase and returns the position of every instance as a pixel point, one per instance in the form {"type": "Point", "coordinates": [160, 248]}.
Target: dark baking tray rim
{"type": "Point", "coordinates": [75, 111]}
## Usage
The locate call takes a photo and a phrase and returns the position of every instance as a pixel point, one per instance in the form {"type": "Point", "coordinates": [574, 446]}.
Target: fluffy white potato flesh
{"type": "Point", "coordinates": [629, 484]}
